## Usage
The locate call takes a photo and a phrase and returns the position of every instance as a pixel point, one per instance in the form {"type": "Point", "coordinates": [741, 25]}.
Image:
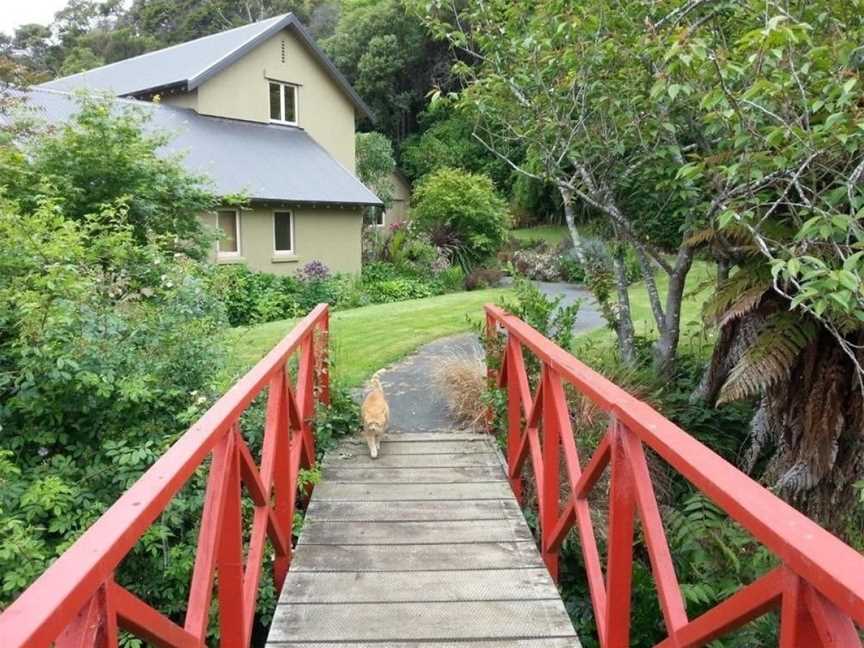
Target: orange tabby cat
{"type": "Point", "coordinates": [376, 415]}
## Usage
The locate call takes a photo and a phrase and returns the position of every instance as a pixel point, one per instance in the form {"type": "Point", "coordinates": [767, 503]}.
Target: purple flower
{"type": "Point", "coordinates": [313, 271]}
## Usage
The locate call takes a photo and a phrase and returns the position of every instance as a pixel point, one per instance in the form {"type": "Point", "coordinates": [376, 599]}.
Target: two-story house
{"type": "Point", "coordinates": [262, 111]}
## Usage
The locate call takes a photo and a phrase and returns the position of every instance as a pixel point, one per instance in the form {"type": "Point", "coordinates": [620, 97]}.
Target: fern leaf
{"type": "Point", "coordinates": [745, 303]}
{"type": "Point", "coordinates": [701, 237]}
{"type": "Point", "coordinates": [770, 359]}
{"type": "Point", "coordinates": [735, 293]}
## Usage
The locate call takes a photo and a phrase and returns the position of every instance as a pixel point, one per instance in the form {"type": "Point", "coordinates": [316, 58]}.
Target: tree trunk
{"type": "Point", "coordinates": [666, 347]}
{"type": "Point", "coordinates": [569, 217]}
{"type": "Point", "coordinates": [624, 317]}
{"type": "Point", "coordinates": [806, 438]}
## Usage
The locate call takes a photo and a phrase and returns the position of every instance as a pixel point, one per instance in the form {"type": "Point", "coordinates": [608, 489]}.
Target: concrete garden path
{"type": "Point", "coordinates": [416, 404]}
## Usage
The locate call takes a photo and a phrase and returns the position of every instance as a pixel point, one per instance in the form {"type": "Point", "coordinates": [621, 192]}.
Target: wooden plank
{"type": "Point", "coordinates": [402, 533]}
{"type": "Point", "coordinates": [546, 642]}
{"type": "Point", "coordinates": [362, 558]}
{"type": "Point", "coordinates": [421, 621]}
{"type": "Point", "coordinates": [341, 492]}
{"type": "Point", "coordinates": [441, 475]}
{"type": "Point", "coordinates": [437, 436]}
{"type": "Point", "coordinates": [370, 587]}
{"type": "Point", "coordinates": [321, 511]}
{"type": "Point", "coordinates": [424, 547]}
{"type": "Point", "coordinates": [362, 460]}
{"type": "Point", "coordinates": [436, 447]}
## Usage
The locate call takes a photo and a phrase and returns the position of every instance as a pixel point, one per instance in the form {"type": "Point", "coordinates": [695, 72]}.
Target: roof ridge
{"type": "Point", "coordinates": [274, 19]}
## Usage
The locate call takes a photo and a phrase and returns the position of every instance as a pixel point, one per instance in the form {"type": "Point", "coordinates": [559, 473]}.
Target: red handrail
{"type": "Point", "coordinates": [76, 601]}
{"type": "Point", "coordinates": [819, 586]}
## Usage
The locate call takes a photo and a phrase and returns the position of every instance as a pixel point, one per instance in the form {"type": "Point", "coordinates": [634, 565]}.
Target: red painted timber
{"type": "Point", "coordinates": [79, 584]}
{"type": "Point", "coordinates": [819, 589]}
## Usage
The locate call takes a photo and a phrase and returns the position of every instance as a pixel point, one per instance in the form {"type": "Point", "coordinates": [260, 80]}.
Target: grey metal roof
{"type": "Point", "coordinates": [266, 162]}
{"type": "Point", "coordinates": [188, 65]}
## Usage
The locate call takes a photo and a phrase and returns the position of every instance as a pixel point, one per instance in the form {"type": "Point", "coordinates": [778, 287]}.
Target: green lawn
{"type": "Point", "coordinates": [365, 339]}
{"type": "Point", "coordinates": [552, 234]}
{"type": "Point", "coordinates": [700, 284]}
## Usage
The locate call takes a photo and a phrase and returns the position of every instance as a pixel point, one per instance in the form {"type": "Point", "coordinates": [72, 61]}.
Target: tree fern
{"type": "Point", "coordinates": [737, 295]}
{"type": "Point", "coordinates": [771, 357]}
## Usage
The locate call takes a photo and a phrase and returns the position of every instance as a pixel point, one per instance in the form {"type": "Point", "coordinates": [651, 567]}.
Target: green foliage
{"type": "Point", "coordinates": [464, 210]}
{"type": "Point", "coordinates": [336, 421]}
{"type": "Point", "coordinates": [447, 141]}
{"type": "Point", "coordinates": [104, 158]}
{"type": "Point", "coordinates": [546, 314]}
{"type": "Point", "coordinates": [770, 358]}
{"type": "Point", "coordinates": [400, 289]}
{"type": "Point", "coordinates": [106, 356]}
{"type": "Point", "coordinates": [252, 297]}
{"type": "Point", "coordinates": [389, 58]}
{"type": "Point", "coordinates": [375, 164]}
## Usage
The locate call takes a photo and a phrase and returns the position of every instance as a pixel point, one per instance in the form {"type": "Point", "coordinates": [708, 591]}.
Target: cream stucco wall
{"type": "Point", "coordinates": [332, 236]}
{"type": "Point", "coordinates": [241, 91]}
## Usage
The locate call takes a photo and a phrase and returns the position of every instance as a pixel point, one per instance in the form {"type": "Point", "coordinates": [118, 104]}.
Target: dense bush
{"type": "Point", "coordinates": [107, 353]}
{"type": "Point", "coordinates": [252, 297]}
{"type": "Point", "coordinates": [106, 154]}
{"type": "Point", "coordinates": [462, 212]}
{"type": "Point", "coordinates": [108, 342]}
{"type": "Point", "coordinates": [480, 278]}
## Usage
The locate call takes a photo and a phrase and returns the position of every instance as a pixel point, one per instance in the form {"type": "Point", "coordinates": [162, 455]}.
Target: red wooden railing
{"type": "Point", "coordinates": [76, 602]}
{"type": "Point", "coordinates": [818, 587]}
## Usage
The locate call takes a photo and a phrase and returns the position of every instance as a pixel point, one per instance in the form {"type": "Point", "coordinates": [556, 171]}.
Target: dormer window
{"type": "Point", "coordinates": [283, 103]}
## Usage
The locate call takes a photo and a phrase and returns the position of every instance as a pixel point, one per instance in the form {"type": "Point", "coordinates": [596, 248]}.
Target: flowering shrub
{"type": "Point", "coordinates": [313, 271]}
{"type": "Point", "coordinates": [537, 265]}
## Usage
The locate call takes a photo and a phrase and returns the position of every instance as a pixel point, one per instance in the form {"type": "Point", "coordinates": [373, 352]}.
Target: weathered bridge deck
{"type": "Point", "coordinates": [424, 546]}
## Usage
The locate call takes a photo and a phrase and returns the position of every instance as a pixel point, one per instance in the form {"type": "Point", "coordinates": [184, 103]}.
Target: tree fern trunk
{"type": "Point", "coordinates": [807, 435]}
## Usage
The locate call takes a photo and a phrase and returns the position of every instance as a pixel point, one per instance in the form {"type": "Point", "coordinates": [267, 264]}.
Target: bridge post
{"type": "Point", "coordinates": [514, 414]}
{"type": "Point", "coordinates": [95, 626]}
{"type": "Point", "coordinates": [551, 468]}
{"type": "Point", "coordinates": [229, 561]}
{"type": "Point", "coordinates": [622, 510]}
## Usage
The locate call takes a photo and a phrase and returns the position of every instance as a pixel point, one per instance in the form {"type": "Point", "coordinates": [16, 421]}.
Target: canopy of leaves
{"type": "Point", "coordinates": [390, 58]}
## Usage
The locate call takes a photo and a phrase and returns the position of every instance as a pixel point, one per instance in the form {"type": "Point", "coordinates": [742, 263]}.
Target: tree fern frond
{"type": "Point", "coordinates": [771, 358]}
{"type": "Point", "coordinates": [706, 235]}
{"type": "Point", "coordinates": [734, 234]}
{"type": "Point", "coordinates": [746, 302]}
{"type": "Point", "coordinates": [737, 292]}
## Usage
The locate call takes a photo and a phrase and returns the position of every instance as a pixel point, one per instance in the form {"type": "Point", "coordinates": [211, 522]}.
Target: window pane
{"type": "Point", "coordinates": [275, 101]}
{"type": "Point", "coordinates": [282, 231]}
{"type": "Point", "coordinates": [228, 229]}
{"type": "Point", "coordinates": [290, 103]}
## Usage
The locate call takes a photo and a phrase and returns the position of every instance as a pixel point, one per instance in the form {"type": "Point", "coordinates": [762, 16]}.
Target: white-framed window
{"type": "Point", "coordinates": [283, 232]}
{"type": "Point", "coordinates": [378, 217]}
{"type": "Point", "coordinates": [228, 221]}
{"type": "Point", "coordinates": [283, 103]}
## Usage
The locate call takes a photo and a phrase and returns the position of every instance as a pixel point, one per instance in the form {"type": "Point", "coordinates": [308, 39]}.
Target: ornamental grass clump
{"type": "Point", "coordinates": [461, 381]}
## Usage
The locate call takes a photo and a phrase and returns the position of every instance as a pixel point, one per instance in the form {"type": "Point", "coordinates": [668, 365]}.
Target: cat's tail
{"type": "Point", "coordinates": [375, 382]}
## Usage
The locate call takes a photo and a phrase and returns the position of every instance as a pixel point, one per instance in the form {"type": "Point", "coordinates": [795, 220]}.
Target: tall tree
{"type": "Point", "coordinates": [391, 60]}
{"type": "Point", "coordinates": [570, 83]}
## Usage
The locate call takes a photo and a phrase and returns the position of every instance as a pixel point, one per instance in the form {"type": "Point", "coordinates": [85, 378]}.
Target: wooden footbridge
{"type": "Point", "coordinates": [427, 546]}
